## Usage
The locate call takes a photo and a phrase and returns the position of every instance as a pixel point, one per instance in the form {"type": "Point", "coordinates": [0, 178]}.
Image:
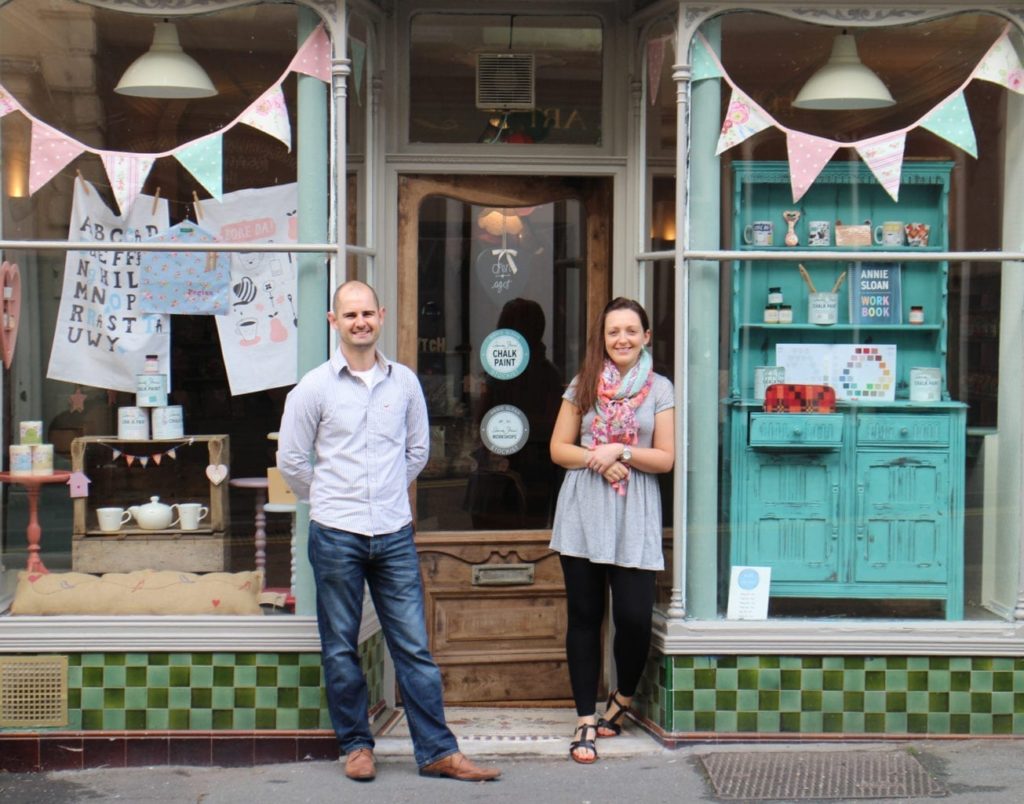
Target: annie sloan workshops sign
{"type": "Point", "coordinates": [504, 354]}
{"type": "Point", "coordinates": [504, 429]}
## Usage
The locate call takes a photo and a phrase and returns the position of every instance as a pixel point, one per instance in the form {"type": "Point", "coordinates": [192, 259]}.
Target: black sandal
{"type": "Point", "coordinates": [614, 723]}
{"type": "Point", "coordinates": [583, 743]}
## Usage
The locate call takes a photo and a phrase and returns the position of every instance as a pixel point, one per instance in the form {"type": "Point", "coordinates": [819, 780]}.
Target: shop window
{"type": "Point", "coordinates": [543, 73]}
{"type": "Point", "coordinates": [59, 74]}
{"type": "Point", "coordinates": [851, 521]}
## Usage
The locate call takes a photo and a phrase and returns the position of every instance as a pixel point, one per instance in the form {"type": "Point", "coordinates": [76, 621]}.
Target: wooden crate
{"type": "Point", "coordinates": [174, 478]}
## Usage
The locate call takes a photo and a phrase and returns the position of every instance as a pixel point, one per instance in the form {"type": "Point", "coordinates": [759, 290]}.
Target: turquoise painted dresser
{"type": "Point", "coordinates": [865, 502]}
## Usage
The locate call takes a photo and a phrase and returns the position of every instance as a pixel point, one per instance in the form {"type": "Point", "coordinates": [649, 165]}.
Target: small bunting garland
{"type": "Point", "coordinates": [156, 457]}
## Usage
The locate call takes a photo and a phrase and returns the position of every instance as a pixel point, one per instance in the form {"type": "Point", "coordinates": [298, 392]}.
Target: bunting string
{"type": "Point", "coordinates": [171, 453]}
{"type": "Point", "coordinates": [808, 154]}
{"type": "Point", "coordinates": [52, 150]}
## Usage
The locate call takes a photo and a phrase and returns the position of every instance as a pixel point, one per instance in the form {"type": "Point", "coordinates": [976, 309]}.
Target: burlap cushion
{"type": "Point", "coordinates": [139, 592]}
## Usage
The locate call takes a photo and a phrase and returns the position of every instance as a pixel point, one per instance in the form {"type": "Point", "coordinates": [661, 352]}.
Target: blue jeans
{"type": "Point", "coordinates": [342, 561]}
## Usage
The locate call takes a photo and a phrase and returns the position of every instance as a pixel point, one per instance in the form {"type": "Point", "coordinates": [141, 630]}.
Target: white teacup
{"type": "Point", "coordinates": [111, 519]}
{"type": "Point", "coordinates": [190, 515]}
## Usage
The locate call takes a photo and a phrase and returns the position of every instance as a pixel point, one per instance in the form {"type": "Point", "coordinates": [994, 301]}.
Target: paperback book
{"type": "Point", "coordinates": [875, 293]}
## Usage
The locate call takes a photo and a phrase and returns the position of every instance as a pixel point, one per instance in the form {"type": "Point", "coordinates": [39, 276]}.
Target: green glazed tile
{"type": "Point", "coordinates": [768, 721]}
{"type": "Point", "coordinates": [92, 660]}
{"type": "Point", "coordinates": [266, 719]}
{"type": "Point", "coordinates": [874, 701]}
{"type": "Point", "coordinates": [789, 679]}
{"type": "Point", "coordinates": [223, 719]}
{"type": "Point", "coordinates": [918, 663]}
{"type": "Point", "coordinates": [939, 662]}
{"type": "Point", "coordinates": [725, 701]}
{"type": "Point", "coordinates": [159, 677]}
{"type": "Point", "coordinates": [704, 679]}
{"type": "Point", "coordinates": [896, 681]}
{"type": "Point", "coordinates": [938, 723]}
{"type": "Point", "coordinates": [136, 659]}
{"type": "Point", "coordinates": [832, 680]}
{"type": "Point", "coordinates": [832, 722]}
{"type": "Point", "coordinates": [152, 698]}
{"type": "Point", "coordinates": [309, 676]}
{"type": "Point", "coordinates": [789, 701]}
{"type": "Point", "coordinates": [92, 676]}
{"type": "Point", "coordinates": [288, 698]}
{"type": "Point", "coordinates": [266, 697]}
{"type": "Point", "coordinates": [770, 662]}
{"type": "Point", "coordinates": [853, 701]}
{"type": "Point", "coordinates": [746, 721]}
{"type": "Point", "coordinates": [158, 719]}
{"type": "Point", "coordinates": [113, 719]}
{"type": "Point", "coordinates": [74, 698]}
{"type": "Point", "coordinates": [74, 660]}
{"type": "Point", "coordinates": [917, 681]}
{"type": "Point", "coordinates": [959, 703]}
{"type": "Point", "coordinates": [1002, 682]}
{"type": "Point", "coordinates": [895, 702]}
{"type": "Point", "coordinates": [917, 702]}
{"type": "Point", "coordinates": [747, 663]}
{"type": "Point", "coordinates": [158, 658]}
{"type": "Point", "coordinates": [202, 698]}
{"type": "Point", "coordinates": [223, 676]}
{"type": "Point", "coordinates": [959, 724]}
{"type": "Point", "coordinates": [961, 663]}
{"type": "Point", "coordinates": [770, 679]}
{"type": "Point", "coordinates": [179, 698]}
{"type": "Point", "coordinates": [727, 678]}
{"type": "Point", "coordinates": [874, 722]}
{"type": "Point", "coordinates": [726, 662]}
{"type": "Point", "coordinates": [981, 681]}
{"type": "Point", "coordinates": [202, 660]}
{"type": "Point", "coordinates": [178, 719]}
{"type": "Point", "coordinates": [832, 701]}
{"type": "Point", "coordinates": [224, 660]}
{"type": "Point", "coordinates": [114, 659]}
{"type": "Point", "coordinates": [853, 662]}
{"type": "Point", "coordinates": [313, 659]}
{"type": "Point", "coordinates": [135, 719]}
{"type": "Point", "coordinates": [895, 662]}
{"type": "Point", "coordinates": [939, 681]}
{"type": "Point", "coordinates": [1002, 664]}
{"type": "Point", "coordinates": [725, 722]}
{"type": "Point", "coordinates": [245, 697]}
{"type": "Point", "coordinates": [92, 698]}
{"type": "Point", "coordinates": [245, 659]}
{"type": "Point", "coordinates": [1002, 724]}
{"type": "Point", "coordinates": [245, 676]}
{"type": "Point", "coordinates": [271, 659]}
{"type": "Point", "coordinates": [791, 663]}
{"type": "Point", "coordinates": [244, 719]}
{"type": "Point", "coordinates": [179, 677]}
{"type": "Point", "coordinates": [266, 676]}
{"type": "Point", "coordinates": [92, 719]}
{"type": "Point", "coordinates": [981, 723]}
{"type": "Point", "coordinates": [895, 723]}
{"type": "Point", "coordinates": [309, 718]}
{"type": "Point", "coordinates": [704, 721]}
{"type": "Point", "coordinates": [746, 700]}
{"type": "Point", "coordinates": [874, 681]}
{"type": "Point", "coordinates": [1002, 703]}
{"type": "Point", "coordinates": [812, 722]}
{"type": "Point", "coordinates": [917, 723]}
{"type": "Point", "coordinates": [810, 701]}
{"type": "Point", "coordinates": [180, 659]}
{"type": "Point", "coordinates": [746, 679]}
{"type": "Point", "coordinates": [703, 700]}
{"type": "Point", "coordinates": [135, 676]}
{"type": "Point", "coordinates": [789, 722]}
{"type": "Point", "coordinates": [113, 699]}
{"type": "Point", "coordinates": [981, 663]}
{"type": "Point", "coordinates": [812, 679]}
{"type": "Point", "coordinates": [222, 698]}
{"type": "Point", "coordinates": [981, 703]}
{"type": "Point", "coordinates": [832, 663]}
{"type": "Point", "coordinates": [768, 701]}
{"type": "Point", "coordinates": [309, 698]}
{"type": "Point", "coordinates": [200, 718]}
{"type": "Point", "coordinates": [683, 678]}
{"type": "Point", "coordinates": [292, 658]}
{"type": "Point", "coordinates": [854, 680]}
{"type": "Point", "coordinates": [74, 676]}
{"type": "Point", "coordinates": [683, 721]}
{"type": "Point", "coordinates": [288, 719]}
{"type": "Point", "coordinates": [938, 702]}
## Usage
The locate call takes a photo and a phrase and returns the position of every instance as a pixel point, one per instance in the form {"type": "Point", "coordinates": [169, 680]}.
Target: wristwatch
{"type": "Point", "coordinates": [627, 453]}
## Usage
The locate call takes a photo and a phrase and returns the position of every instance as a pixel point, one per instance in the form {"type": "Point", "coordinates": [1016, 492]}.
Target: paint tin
{"type": "Point", "coordinates": [822, 308]}
{"type": "Point", "coordinates": [765, 376]}
{"type": "Point", "coordinates": [21, 459]}
{"type": "Point", "coordinates": [168, 422]}
{"type": "Point", "coordinates": [42, 459]}
{"type": "Point", "coordinates": [150, 390]}
{"type": "Point", "coordinates": [30, 432]}
{"type": "Point", "coordinates": [133, 424]}
{"type": "Point", "coordinates": [925, 384]}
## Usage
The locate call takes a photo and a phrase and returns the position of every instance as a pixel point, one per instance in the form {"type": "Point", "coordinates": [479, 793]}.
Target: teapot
{"type": "Point", "coordinates": [154, 515]}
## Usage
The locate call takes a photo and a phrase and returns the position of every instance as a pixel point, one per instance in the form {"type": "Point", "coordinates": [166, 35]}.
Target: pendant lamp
{"type": "Point", "coordinates": [844, 82]}
{"type": "Point", "coordinates": [165, 70]}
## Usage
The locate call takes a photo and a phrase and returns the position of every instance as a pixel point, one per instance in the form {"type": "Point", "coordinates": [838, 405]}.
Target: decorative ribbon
{"type": "Point", "coordinates": [508, 254]}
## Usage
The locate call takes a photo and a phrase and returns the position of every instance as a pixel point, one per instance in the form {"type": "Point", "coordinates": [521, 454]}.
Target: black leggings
{"type": "Point", "coordinates": [632, 604]}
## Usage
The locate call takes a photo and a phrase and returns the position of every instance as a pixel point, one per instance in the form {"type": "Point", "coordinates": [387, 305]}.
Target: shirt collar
{"type": "Point", "coordinates": [339, 363]}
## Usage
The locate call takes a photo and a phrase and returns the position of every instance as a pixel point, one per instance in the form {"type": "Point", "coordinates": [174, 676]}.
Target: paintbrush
{"type": "Point", "coordinates": [807, 278]}
{"type": "Point", "coordinates": [839, 282]}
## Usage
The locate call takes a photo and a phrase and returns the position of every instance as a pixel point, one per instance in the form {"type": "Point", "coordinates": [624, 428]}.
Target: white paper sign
{"type": "Point", "coordinates": [258, 335]}
{"type": "Point", "coordinates": [748, 593]}
{"type": "Point", "coordinates": [101, 337]}
{"type": "Point", "coordinates": [857, 372]}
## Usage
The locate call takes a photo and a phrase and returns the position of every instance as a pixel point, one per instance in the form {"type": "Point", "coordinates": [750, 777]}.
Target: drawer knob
{"type": "Point", "coordinates": [798, 432]}
{"type": "Point", "coordinates": [904, 431]}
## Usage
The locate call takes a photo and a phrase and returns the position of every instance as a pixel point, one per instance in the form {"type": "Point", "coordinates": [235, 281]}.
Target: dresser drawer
{"type": "Point", "coordinates": [796, 430]}
{"type": "Point", "coordinates": [918, 431]}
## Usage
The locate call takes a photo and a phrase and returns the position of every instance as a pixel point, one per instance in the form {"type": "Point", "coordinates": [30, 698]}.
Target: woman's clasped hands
{"type": "Point", "coordinates": [604, 459]}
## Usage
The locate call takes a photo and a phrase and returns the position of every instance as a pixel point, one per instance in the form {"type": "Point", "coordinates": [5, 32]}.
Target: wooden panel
{"type": "Point", "coordinates": [495, 624]}
{"type": "Point", "coordinates": [540, 682]}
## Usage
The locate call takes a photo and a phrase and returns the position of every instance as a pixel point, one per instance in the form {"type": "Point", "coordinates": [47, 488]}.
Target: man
{"type": "Point", "coordinates": [353, 437]}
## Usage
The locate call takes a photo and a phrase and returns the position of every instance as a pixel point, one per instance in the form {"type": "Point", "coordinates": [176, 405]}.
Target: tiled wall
{"type": "Point", "coordinates": [206, 691]}
{"type": "Point", "coordinates": [834, 694]}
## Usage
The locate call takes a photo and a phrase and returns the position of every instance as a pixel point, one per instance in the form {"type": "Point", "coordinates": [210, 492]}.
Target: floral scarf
{"type": "Point", "coordinates": [618, 398]}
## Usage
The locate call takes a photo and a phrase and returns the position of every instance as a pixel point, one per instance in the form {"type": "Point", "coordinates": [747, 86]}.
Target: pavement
{"type": "Point", "coordinates": [632, 768]}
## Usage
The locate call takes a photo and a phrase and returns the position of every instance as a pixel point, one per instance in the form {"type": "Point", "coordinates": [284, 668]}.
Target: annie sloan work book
{"type": "Point", "coordinates": [875, 293]}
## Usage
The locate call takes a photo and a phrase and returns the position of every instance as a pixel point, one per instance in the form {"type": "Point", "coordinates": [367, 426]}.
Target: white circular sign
{"type": "Point", "coordinates": [504, 354]}
{"type": "Point", "coordinates": [504, 429]}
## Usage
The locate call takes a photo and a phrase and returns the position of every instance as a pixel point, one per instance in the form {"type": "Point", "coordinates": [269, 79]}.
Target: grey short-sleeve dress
{"type": "Point", "coordinates": [593, 521]}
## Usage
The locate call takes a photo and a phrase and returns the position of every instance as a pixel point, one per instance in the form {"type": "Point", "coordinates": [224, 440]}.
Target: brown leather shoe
{"type": "Point", "coordinates": [459, 766]}
{"type": "Point", "coordinates": [359, 765]}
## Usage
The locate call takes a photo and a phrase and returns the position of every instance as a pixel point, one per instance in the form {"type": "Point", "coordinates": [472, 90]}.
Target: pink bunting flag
{"type": "Point", "coordinates": [884, 156]}
{"type": "Point", "coordinates": [1002, 66]}
{"type": "Point", "coordinates": [655, 60]}
{"type": "Point", "coordinates": [127, 174]}
{"type": "Point", "coordinates": [7, 103]}
{"type": "Point", "coordinates": [807, 156]}
{"type": "Point", "coordinates": [314, 57]}
{"type": "Point", "coordinates": [742, 121]}
{"type": "Point", "coordinates": [269, 114]}
{"type": "Point", "coordinates": [50, 152]}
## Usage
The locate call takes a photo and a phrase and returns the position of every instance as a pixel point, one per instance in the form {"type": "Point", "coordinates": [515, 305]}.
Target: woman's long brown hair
{"type": "Point", "coordinates": [593, 359]}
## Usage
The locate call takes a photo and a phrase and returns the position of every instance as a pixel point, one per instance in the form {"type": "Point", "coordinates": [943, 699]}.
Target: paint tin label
{"type": "Point", "coordinates": [133, 424]}
{"type": "Point", "coordinates": [925, 384]}
{"type": "Point", "coordinates": [168, 422]}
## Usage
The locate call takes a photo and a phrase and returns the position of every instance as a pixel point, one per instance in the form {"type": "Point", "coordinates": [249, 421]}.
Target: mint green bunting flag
{"type": "Point", "coordinates": [204, 159]}
{"type": "Point", "coordinates": [952, 122]}
{"type": "Point", "coordinates": [703, 66]}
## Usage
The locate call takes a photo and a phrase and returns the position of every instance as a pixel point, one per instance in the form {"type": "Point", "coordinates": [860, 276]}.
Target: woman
{"type": "Point", "coordinates": [614, 432]}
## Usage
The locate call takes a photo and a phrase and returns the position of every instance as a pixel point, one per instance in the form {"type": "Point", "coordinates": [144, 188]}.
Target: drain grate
{"type": "Point", "coordinates": [818, 775]}
{"type": "Point", "coordinates": [33, 691]}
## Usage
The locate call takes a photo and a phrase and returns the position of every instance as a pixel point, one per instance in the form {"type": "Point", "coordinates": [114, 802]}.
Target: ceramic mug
{"type": "Point", "coordinates": [191, 514]}
{"type": "Point", "coordinates": [819, 233]}
{"type": "Point", "coordinates": [917, 234]}
{"type": "Point", "coordinates": [759, 233]}
{"type": "Point", "coordinates": [889, 233]}
{"type": "Point", "coordinates": [111, 519]}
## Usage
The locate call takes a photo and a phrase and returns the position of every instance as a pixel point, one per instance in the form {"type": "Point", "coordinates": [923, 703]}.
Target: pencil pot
{"type": "Point", "coordinates": [822, 308]}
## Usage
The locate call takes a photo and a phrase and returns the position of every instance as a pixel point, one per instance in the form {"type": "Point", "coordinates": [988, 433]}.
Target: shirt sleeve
{"type": "Point", "coordinates": [665, 397]}
{"type": "Point", "coordinates": [417, 444]}
{"type": "Point", "coordinates": [296, 439]}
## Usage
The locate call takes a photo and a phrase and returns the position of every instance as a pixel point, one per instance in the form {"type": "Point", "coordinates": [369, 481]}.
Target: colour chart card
{"type": "Point", "coordinates": [857, 372]}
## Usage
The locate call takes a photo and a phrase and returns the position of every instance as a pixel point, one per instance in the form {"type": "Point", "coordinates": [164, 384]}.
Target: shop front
{"type": "Point", "coordinates": [832, 270]}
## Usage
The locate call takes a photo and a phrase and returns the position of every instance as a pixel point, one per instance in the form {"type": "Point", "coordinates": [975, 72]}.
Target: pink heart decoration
{"type": "Point", "coordinates": [217, 472]}
{"type": "Point", "coordinates": [215, 601]}
{"type": "Point", "coordinates": [10, 297]}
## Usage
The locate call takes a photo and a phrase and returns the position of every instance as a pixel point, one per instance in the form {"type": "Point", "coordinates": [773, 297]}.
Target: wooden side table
{"type": "Point", "coordinates": [34, 533]}
{"type": "Point", "coordinates": [258, 485]}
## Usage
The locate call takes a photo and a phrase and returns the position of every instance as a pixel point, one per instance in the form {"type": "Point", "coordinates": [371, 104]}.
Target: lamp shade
{"type": "Point", "coordinates": [165, 70]}
{"type": "Point", "coordinates": [844, 82]}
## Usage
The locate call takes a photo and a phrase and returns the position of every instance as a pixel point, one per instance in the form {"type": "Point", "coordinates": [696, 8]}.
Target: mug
{"type": "Point", "coordinates": [889, 233]}
{"type": "Point", "coordinates": [759, 233]}
{"type": "Point", "coordinates": [819, 233]}
{"type": "Point", "coordinates": [917, 234]}
{"type": "Point", "coordinates": [248, 329]}
{"type": "Point", "coordinates": [191, 514]}
{"type": "Point", "coordinates": [111, 519]}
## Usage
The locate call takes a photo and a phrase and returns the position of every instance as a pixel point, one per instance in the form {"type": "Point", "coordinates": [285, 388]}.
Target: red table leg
{"type": "Point", "coordinates": [33, 533]}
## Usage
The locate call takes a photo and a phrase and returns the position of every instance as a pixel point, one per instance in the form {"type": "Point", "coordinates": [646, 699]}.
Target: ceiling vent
{"type": "Point", "coordinates": [505, 81]}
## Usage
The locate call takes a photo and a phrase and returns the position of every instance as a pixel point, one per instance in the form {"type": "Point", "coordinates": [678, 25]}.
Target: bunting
{"type": "Point", "coordinates": [155, 457]}
{"type": "Point", "coordinates": [52, 150]}
{"type": "Point", "coordinates": [808, 154]}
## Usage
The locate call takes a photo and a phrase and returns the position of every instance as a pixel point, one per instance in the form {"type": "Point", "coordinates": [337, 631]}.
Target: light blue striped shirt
{"type": "Point", "coordinates": [353, 451]}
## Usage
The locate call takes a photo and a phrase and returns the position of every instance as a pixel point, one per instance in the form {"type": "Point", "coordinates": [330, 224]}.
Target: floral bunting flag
{"type": "Point", "coordinates": [50, 151]}
{"type": "Point", "coordinates": [314, 57]}
{"type": "Point", "coordinates": [807, 156]}
{"type": "Point", "coordinates": [358, 51]}
{"type": "Point", "coordinates": [269, 114]}
{"type": "Point", "coordinates": [952, 122]}
{"type": "Point", "coordinates": [703, 64]}
{"type": "Point", "coordinates": [204, 160]}
{"type": "Point", "coordinates": [884, 157]}
{"type": "Point", "coordinates": [1002, 66]}
{"type": "Point", "coordinates": [127, 174]}
{"type": "Point", "coordinates": [655, 60]}
{"type": "Point", "coordinates": [7, 103]}
{"type": "Point", "coordinates": [742, 121]}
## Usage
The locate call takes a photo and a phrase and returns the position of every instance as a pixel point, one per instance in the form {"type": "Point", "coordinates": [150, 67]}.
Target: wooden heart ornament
{"type": "Point", "coordinates": [10, 297]}
{"type": "Point", "coordinates": [217, 472]}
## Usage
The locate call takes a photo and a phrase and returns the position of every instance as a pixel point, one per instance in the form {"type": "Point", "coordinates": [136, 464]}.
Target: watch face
{"type": "Point", "coordinates": [627, 453]}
